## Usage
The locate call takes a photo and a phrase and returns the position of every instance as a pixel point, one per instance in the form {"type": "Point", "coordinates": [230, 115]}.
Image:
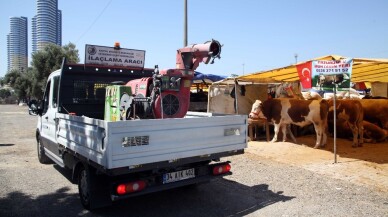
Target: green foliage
{"type": "Point", "coordinates": [4, 93]}
{"type": "Point", "coordinates": [71, 53]}
{"type": "Point", "coordinates": [11, 77]}
{"type": "Point", "coordinates": [31, 84]}
{"type": "Point", "coordinates": [20, 82]}
{"type": "Point", "coordinates": [50, 59]}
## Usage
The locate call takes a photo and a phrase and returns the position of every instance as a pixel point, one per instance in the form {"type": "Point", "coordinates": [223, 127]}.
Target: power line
{"type": "Point", "coordinates": [95, 20]}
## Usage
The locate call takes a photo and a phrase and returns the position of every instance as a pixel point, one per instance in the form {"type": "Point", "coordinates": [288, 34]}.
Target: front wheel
{"type": "Point", "coordinates": [43, 159]}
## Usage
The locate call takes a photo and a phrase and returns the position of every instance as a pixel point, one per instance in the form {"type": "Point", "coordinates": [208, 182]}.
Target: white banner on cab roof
{"type": "Point", "coordinates": [109, 56]}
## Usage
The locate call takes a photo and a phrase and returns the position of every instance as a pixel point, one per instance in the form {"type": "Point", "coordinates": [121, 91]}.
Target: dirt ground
{"type": "Point", "coordinates": [367, 165]}
{"type": "Point", "coordinates": [262, 183]}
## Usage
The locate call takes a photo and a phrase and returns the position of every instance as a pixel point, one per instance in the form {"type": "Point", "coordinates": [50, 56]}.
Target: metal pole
{"type": "Point", "coordinates": [185, 25]}
{"type": "Point", "coordinates": [235, 96]}
{"type": "Point", "coordinates": [243, 68]}
{"type": "Point", "coordinates": [335, 120]}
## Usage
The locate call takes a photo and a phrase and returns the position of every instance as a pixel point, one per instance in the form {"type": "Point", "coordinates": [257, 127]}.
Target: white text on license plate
{"type": "Point", "coordinates": [179, 175]}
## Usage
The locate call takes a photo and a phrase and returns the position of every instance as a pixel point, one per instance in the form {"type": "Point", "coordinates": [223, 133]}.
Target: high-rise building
{"type": "Point", "coordinates": [17, 44]}
{"type": "Point", "coordinates": [33, 34]}
{"type": "Point", "coordinates": [59, 27]}
{"type": "Point", "coordinates": [46, 24]}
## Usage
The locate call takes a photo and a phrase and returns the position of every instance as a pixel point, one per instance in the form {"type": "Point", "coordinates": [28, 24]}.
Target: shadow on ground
{"type": "Point", "coordinates": [4, 145]}
{"type": "Point", "coordinates": [220, 197]}
{"type": "Point", "coordinates": [371, 152]}
{"type": "Point", "coordinates": [376, 153]}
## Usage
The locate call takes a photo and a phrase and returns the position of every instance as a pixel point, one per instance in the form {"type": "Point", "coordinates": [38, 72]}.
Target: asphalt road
{"type": "Point", "coordinates": [258, 187]}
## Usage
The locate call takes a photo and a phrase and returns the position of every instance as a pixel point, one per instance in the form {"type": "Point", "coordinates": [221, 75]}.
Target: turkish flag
{"type": "Point", "coordinates": [304, 72]}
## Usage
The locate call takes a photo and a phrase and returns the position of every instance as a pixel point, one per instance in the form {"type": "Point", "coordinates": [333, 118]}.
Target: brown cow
{"type": "Point", "coordinates": [376, 111]}
{"type": "Point", "coordinates": [372, 132]}
{"type": "Point", "coordinates": [351, 112]}
{"type": "Point", "coordinates": [283, 111]}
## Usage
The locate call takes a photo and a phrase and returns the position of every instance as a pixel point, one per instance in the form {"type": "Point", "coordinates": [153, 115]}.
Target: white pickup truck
{"type": "Point", "coordinates": [112, 160]}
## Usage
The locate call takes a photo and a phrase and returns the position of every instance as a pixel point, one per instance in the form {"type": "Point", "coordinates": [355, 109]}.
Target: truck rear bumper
{"type": "Point", "coordinates": [166, 164]}
{"type": "Point", "coordinates": [155, 184]}
{"type": "Point", "coordinates": [169, 186]}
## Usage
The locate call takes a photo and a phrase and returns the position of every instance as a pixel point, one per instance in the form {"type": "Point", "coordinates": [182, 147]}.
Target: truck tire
{"type": "Point", "coordinates": [92, 189]}
{"type": "Point", "coordinates": [43, 159]}
{"type": "Point", "coordinates": [84, 187]}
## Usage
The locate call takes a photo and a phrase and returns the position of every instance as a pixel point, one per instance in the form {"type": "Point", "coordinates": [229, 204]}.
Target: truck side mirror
{"type": "Point", "coordinates": [35, 107]}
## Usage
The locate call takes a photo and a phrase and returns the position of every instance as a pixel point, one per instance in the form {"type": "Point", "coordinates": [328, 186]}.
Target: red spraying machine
{"type": "Point", "coordinates": [167, 93]}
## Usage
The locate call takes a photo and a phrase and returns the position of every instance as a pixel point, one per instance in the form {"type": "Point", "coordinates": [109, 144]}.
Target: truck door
{"type": "Point", "coordinates": [49, 120]}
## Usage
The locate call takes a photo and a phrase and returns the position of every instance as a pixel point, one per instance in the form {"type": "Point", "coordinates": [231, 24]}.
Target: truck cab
{"type": "Point", "coordinates": [47, 122]}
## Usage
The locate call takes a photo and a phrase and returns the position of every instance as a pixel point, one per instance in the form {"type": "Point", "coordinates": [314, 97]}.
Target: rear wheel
{"type": "Point", "coordinates": [84, 187]}
{"type": "Point", "coordinates": [92, 188]}
{"type": "Point", "coordinates": [41, 153]}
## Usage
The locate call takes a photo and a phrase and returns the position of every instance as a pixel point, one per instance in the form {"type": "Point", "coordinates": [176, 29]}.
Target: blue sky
{"type": "Point", "coordinates": [257, 34]}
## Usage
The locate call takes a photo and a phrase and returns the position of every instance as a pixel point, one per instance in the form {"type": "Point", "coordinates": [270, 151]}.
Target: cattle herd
{"type": "Point", "coordinates": [362, 120]}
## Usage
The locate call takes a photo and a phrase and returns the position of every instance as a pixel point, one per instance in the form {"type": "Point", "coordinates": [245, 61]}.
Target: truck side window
{"type": "Point", "coordinates": [54, 101]}
{"type": "Point", "coordinates": [46, 97]}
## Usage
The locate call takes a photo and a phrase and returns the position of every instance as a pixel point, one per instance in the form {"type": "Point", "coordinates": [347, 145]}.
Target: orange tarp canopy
{"type": "Point", "coordinates": [364, 70]}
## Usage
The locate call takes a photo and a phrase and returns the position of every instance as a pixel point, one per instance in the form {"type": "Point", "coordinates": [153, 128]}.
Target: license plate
{"type": "Point", "coordinates": [178, 176]}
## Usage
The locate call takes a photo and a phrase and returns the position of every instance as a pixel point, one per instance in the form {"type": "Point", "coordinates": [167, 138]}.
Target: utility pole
{"type": "Point", "coordinates": [243, 67]}
{"type": "Point", "coordinates": [185, 24]}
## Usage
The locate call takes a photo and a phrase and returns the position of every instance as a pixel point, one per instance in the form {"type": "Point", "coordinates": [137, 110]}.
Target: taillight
{"type": "Point", "coordinates": [221, 169]}
{"type": "Point", "coordinates": [130, 187]}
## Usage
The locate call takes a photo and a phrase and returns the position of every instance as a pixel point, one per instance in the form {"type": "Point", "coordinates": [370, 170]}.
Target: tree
{"type": "Point", "coordinates": [2, 82]}
{"type": "Point", "coordinates": [48, 60]}
{"type": "Point", "coordinates": [4, 93]}
{"type": "Point", "coordinates": [32, 82]}
{"type": "Point", "coordinates": [71, 53]}
{"type": "Point", "coordinates": [11, 77]}
{"type": "Point", "coordinates": [23, 86]}
{"type": "Point", "coordinates": [20, 82]}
